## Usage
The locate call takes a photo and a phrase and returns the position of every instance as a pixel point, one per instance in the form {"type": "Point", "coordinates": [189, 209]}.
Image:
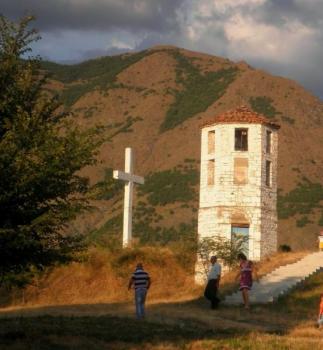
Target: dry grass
{"type": "Point", "coordinates": [104, 278]}
{"type": "Point", "coordinates": [285, 325]}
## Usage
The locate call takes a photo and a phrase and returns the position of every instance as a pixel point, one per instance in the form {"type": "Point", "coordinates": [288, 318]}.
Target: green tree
{"type": "Point", "coordinates": [225, 249]}
{"type": "Point", "coordinates": [41, 154]}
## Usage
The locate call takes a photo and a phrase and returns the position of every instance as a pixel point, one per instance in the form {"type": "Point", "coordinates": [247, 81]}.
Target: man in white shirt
{"type": "Point", "coordinates": [213, 283]}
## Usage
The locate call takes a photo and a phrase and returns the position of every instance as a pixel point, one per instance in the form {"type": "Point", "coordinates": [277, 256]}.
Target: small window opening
{"type": "Point", "coordinates": [268, 142]}
{"type": "Point", "coordinates": [268, 173]}
{"type": "Point", "coordinates": [211, 141]}
{"type": "Point", "coordinates": [240, 171]}
{"type": "Point", "coordinates": [210, 172]}
{"type": "Point", "coordinates": [241, 140]}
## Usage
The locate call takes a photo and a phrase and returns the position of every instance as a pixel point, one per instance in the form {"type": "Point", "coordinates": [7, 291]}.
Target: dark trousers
{"type": "Point", "coordinates": [211, 293]}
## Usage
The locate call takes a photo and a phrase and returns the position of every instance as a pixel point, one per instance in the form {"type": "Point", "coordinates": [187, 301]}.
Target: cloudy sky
{"type": "Point", "coordinates": [283, 37]}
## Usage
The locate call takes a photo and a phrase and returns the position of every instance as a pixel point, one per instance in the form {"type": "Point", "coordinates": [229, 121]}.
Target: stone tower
{"type": "Point", "coordinates": [238, 185]}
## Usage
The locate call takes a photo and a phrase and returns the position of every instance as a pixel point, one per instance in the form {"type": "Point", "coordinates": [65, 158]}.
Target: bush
{"type": "Point", "coordinates": [263, 105]}
{"type": "Point", "coordinates": [170, 186]}
{"type": "Point", "coordinates": [109, 234]}
{"type": "Point", "coordinates": [303, 221]}
{"type": "Point", "coordinates": [320, 222]}
{"type": "Point", "coordinates": [301, 200]}
{"type": "Point", "coordinates": [199, 90]}
{"type": "Point", "coordinates": [109, 187]}
{"type": "Point", "coordinates": [163, 235]}
{"type": "Point", "coordinates": [285, 248]}
{"type": "Point", "coordinates": [97, 73]}
{"type": "Point", "coordinates": [226, 249]}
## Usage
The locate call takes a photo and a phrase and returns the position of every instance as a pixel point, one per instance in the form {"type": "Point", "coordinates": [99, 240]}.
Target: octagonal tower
{"type": "Point", "coordinates": [238, 183]}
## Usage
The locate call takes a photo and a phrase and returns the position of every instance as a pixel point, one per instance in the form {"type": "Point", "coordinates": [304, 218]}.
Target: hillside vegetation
{"type": "Point", "coordinates": [155, 102]}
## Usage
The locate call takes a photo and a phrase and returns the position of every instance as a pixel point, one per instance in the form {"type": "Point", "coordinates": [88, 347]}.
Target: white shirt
{"type": "Point", "coordinates": [214, 272]}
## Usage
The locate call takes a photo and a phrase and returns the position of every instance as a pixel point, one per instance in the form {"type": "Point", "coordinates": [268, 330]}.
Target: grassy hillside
{"type": "Point", "coordinates": [286, 324]}
{"type": "Point", "coordinates": [155, 102]}
{"type": "Point", "coordinates": [102, 275]}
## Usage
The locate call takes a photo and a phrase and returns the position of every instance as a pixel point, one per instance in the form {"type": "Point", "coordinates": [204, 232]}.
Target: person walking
{"type": "Point", "coordinates": [320, 318]}
{"type": "Point", "coordinates": [141, 281]}
{"type": "Point", "coordinates": [213, 283]}
{"type": "Point", "coordinates": [245, 278]}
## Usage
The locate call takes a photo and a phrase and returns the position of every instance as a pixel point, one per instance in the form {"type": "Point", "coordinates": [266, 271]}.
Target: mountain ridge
{"type": "Point", "coordinates": [135, 95]}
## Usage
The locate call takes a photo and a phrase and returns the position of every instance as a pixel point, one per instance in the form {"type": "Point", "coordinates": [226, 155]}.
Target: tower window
{"type": "Point", "coordinates": [240, 171]}
{"type": "Point", "coordinates": [210, 172]}
{"type": "Point", "coordinates": [268, 173]}
{"type": "Point", "coordinates": [241, 140]}
{"type": "Point", "coordinates": [268, 141]}
{"type": "Point", "coordinates": [211, 142]}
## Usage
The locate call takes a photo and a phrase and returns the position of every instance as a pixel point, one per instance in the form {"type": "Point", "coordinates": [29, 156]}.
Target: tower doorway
{"type": "Point", "coordinates": [241, 231]}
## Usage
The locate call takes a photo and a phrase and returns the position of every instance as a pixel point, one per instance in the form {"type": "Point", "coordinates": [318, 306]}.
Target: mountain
{"type": "Point", "coordinates": [155, 101]}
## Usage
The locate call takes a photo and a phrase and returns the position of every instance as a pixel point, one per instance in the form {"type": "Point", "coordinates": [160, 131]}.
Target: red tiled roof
{"type": "Point", "coordinates": [241, 115]}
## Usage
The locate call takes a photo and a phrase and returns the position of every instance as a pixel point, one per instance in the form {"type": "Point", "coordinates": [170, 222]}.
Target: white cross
{"type": "Point", "coordinates": [129, 179]}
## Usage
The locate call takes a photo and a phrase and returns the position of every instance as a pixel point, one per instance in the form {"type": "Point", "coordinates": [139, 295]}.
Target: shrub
{"type": "Point", "coordinates": [123, 127]}
{"type": "Point", "coordinates": [199, 90]}
{"type": "Point", "coordinates": [263, 105]}
{"type": "Point", "coordinates": [287, 119]}
{"type": "Point", "coordinates": [163, 235]}
{"type": "Point", "coordinates": [285, 248]}
{"type": "Point", "coordinates": [226, 249]}
{"type": "Point", "coordinates": [109, 187]}
{"type": "Point", "coordinates": [301, 200]}
{"type": "Point", "coordinates": [320, 222]}
{"type": "Point", "coordinates": [303, 221]}
{"type": "Point", "coordinates": [110, 232]}
{"type": "Point", "coordinates": [97, 73]}
{"type": "Point", "coordinates": [170, 186]}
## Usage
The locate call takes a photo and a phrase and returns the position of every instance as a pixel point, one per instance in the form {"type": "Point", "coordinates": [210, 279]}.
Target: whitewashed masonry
{"type": "Point", "coordinates": [238, 180]}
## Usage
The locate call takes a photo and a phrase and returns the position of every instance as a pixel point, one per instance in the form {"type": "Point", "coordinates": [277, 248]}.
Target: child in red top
{"type": "Point", "coordinates": [320, 319]}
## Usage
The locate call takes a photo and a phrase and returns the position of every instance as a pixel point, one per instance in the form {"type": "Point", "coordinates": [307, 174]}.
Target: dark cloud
{"type": "Point", "coordinates": [134, 15]}
{"type": "Point", "coordinates": [278, 12]}
{"type": "Point", "coordinates": [281, 36]}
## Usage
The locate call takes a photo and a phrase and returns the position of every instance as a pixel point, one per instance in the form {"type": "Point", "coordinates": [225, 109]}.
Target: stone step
{"type": "Point", "coordinates": [281, 280]}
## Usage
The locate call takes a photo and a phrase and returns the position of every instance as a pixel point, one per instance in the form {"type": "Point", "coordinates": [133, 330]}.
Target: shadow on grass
{"type": "Point", "coordinates": [107, 329]}
{"type": "Point", "coordinates": [175, 323]}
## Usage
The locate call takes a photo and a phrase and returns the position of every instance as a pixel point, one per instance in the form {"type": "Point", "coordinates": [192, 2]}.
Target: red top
{"type": "Point", "coordinates": [241, 115]}
{"type": "Point", "coordinates": [321, 306]}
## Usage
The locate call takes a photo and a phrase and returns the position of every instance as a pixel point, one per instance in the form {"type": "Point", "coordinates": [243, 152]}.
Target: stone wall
{"type": "Point", "coordinates": [239, 193]}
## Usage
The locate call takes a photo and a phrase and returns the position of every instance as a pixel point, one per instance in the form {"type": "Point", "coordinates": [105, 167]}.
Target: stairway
{"type": "Point", "coordinates": [280, 281]}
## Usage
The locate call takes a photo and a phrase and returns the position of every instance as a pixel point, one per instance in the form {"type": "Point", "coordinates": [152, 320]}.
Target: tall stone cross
{"type": "Point", "coordinates": [129, 179]}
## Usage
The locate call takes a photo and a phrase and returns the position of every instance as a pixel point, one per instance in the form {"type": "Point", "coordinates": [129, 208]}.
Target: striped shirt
{"type": "Point", "coordinates": [140, 279]}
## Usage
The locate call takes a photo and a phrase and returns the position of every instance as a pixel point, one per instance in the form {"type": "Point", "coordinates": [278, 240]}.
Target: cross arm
{"type": "Point", "coordinates": [120, 175]}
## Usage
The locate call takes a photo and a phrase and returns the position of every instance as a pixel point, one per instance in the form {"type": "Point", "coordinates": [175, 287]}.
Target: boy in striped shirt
{"type": "Point", "coordinates": [141, 281]}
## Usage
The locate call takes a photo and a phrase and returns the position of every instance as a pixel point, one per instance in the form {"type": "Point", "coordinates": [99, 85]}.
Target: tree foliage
{"type": "Point", "coordinates": [225, 249]}
{"type": "Point", "coordinates": [41, 154]}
